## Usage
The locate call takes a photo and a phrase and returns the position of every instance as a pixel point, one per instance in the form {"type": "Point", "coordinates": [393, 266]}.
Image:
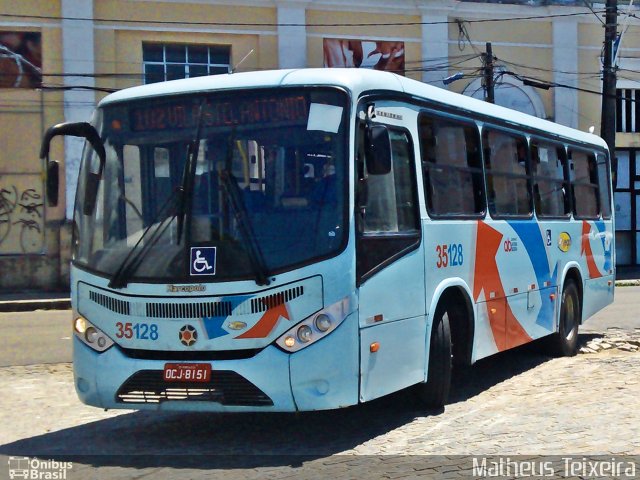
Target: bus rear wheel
{"type": "Point", "coordinates": [435, 391]}
{"type": "Point", "coordinates": [564, 343]}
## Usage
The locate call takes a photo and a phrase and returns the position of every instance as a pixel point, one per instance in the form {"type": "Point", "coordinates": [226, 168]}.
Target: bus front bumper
{"type": "Point", "coordinates": [322, 376]}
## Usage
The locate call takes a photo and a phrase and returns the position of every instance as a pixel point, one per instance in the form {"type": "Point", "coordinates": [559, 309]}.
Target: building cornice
{"type": "Point", "coordinates": [450, 8]}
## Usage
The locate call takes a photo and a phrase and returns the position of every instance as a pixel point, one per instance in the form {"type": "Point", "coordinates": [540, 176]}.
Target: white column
{"type": "Point", "coordinates": [77, 57]}
{"type": "Point", "coordinates": [292, 41]}
{"type": "Point", "coordinates": [435, 48]}
{"type": "Point", "coordinates": [565, 59]}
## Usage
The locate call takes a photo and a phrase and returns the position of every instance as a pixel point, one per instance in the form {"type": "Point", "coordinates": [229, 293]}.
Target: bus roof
{"type": "Point", "coordinates": [358, 81]}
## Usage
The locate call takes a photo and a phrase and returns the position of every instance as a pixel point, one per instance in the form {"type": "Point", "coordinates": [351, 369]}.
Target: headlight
{"type": "Point", "coordinates": [323, 322]}
{"type": "Point", "coordinates": [305, 333]}
{"type": "Point", "coordinates": [80, 325]}
{"type": "Point", "coordinates": [315, 327]}
{"type": "Point", "coordinates": [91, 335]}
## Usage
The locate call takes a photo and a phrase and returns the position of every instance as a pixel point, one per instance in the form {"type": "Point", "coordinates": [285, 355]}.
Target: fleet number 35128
{"type": "Point", "coordinates": [139, 331]}
{"type": "Point", "coordinates": [449, 255]}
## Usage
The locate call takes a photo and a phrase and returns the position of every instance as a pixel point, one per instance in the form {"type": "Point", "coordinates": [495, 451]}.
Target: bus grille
{"type": "Point", "coordinates": [110, 303]}
{"type": "Point", "coordinates": [192, 307]}
{"type": "Point", "coordinates": [225, 387]}
{"type": "Point", "coordinates": [262, 304]}
{"type": "Point", "coordinates": [188, 310]}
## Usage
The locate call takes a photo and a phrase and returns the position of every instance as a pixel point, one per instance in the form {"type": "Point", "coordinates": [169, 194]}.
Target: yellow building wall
{"type": "Point", "coordinates": [589, 104]}
{"type": "Point", "coordinates": [119, 50]}
{"type": "Point", "coordinates": [529, 53]}
{"type": "Point", "coordinates": [28, 225]}
{"type": "Point", "coordinates": [25, 113]}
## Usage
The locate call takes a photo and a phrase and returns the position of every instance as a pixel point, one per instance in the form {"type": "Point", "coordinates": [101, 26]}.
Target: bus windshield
{"type": "Point", "coordinates": [216, 186]}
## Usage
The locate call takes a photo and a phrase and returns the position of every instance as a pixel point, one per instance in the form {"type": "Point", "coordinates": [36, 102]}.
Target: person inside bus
{"type": "Point", "coordinates": [324, 190]}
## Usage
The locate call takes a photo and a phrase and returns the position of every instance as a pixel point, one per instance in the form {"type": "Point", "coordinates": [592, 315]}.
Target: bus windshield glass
{"type": "Point", "coordinates": [216, 186]}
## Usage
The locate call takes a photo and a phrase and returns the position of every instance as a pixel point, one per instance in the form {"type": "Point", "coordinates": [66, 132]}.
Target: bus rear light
{"type": "Point", "coordinates": [315, 327]}
{"type": "Point", "coordinates": [91, 335]}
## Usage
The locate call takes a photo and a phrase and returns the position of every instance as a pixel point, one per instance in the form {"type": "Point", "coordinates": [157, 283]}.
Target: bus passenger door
{"type": "Point", "coordinates": [390, 269]}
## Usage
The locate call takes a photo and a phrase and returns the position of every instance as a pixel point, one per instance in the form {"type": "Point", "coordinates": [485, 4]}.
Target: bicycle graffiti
{"type": "Point", "coordinates": [21, 222]}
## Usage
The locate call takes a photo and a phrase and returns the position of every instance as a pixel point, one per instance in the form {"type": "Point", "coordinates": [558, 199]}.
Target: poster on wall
{"type": "Point", "coordinates": [378, 55]}
{"type": "Point", "coordinates": [20, 59]}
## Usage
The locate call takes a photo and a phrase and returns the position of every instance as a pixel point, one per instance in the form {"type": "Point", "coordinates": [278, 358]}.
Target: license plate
{"type": "Point", "coordinates": [187, 372]}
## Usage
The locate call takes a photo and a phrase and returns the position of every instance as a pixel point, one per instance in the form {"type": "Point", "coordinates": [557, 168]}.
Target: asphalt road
{"type": "Point", "coordinates": [623, 313]}
{"type": "Point", "coordinates": [44, 336]}
{"type": "Point", "coordinates": [30, 338]}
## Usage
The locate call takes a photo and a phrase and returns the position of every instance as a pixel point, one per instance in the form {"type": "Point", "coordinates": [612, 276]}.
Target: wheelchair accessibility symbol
{"type": "Point", "coordinates": [203, 261]}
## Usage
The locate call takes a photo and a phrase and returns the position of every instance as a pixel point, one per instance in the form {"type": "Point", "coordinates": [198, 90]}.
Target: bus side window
{"type": "Point", "coordinates": [584, 184]}
{"type": "Point", "coordinates": [506, 167]}
{"type": "Point", "coordinates": [549, 183]}
{"type": "Point", "coordinates": [390, 220]}
{"type": "Point", "coordinates": [451, 166]}
{"type": "Point", "coordinates": [603, 183]}
{"type": "Point", "coordinates": [391, 205]}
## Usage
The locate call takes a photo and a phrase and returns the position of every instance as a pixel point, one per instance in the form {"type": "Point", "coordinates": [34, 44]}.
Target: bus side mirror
{"type": "Point", "coordinates": [53, 182]}
{"type": "Point", "coordinates": [378, 150]}
{"type": "Point", "coordinates": [88, 132]}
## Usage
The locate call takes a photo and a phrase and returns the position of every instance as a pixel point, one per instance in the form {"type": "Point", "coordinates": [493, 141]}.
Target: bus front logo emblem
{"type": "Point", "coordinates": [188, 335]}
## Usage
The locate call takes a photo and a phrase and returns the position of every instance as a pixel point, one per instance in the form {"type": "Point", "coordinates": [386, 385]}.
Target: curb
{"type": "Point", "coordinates": [39, 304]}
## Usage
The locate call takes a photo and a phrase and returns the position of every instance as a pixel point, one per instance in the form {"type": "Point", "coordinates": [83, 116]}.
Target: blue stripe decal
{"type": "Point", "coordinates": [534, 244]}
{"type": "Point", "coordinates": [602, 228]}
{"type": "Point", "coordinates": [214, 325]}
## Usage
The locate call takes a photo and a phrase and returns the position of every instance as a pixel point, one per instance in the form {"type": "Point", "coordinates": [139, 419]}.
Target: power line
{"type": "Point", "coordinates": [593, 11]}
{"type": "Point", "coordinates": [270, 24]}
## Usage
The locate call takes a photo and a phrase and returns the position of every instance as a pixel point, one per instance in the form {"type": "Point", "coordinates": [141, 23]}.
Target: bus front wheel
{"type": "Point", "coordinates": [564, 343]}
{"type": "Point", "coordinates": [435, 391]}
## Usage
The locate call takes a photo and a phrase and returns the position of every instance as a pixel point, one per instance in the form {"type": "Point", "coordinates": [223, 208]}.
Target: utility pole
{"type": "Point", "coordinates": [487, 60]}
{"type": "Point", "coordinates": [608, 116]}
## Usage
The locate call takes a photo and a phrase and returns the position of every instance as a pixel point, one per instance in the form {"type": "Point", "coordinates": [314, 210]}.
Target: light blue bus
{"type": "Point", "coordinates": [311, 239]}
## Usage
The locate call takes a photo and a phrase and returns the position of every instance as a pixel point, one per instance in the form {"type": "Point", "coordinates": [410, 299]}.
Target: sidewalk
{"type": "Point", "coordinates": [629, 272]}
{"type": "Point", "coordinates": [38, 300]}
{"type": "Point", "coordinates": [34, 300]}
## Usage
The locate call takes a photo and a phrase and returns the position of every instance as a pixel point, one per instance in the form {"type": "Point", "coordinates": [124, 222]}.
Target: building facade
{"type": "Point", "coordinates": [59, 57]}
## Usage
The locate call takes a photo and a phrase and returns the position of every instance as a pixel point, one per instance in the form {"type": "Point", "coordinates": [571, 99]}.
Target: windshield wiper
{"type": "Point", "coordinates": [246, 231]}
{"type": "Point", "coordinates": [133, 259]}
{"type": "Point", "coordinates": [188, 175]}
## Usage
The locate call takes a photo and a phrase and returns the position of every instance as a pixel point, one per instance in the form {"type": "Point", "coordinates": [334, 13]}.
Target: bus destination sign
{"type": "Point", "coordinates": [185, 114]}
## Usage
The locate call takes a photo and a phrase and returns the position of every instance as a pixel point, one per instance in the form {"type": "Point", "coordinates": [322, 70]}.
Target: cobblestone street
{"type": "Point", "coordinates": [516, 403]}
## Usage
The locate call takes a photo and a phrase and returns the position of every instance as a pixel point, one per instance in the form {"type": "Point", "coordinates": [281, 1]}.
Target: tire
{"type": "Point", "coordinates": [564, 343]}
{"type": "Point", "coordinates": [434, 393]}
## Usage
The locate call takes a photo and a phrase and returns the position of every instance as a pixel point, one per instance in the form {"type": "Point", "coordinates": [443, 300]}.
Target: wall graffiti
{"type": "Point", "coordinates": [21, 217]}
